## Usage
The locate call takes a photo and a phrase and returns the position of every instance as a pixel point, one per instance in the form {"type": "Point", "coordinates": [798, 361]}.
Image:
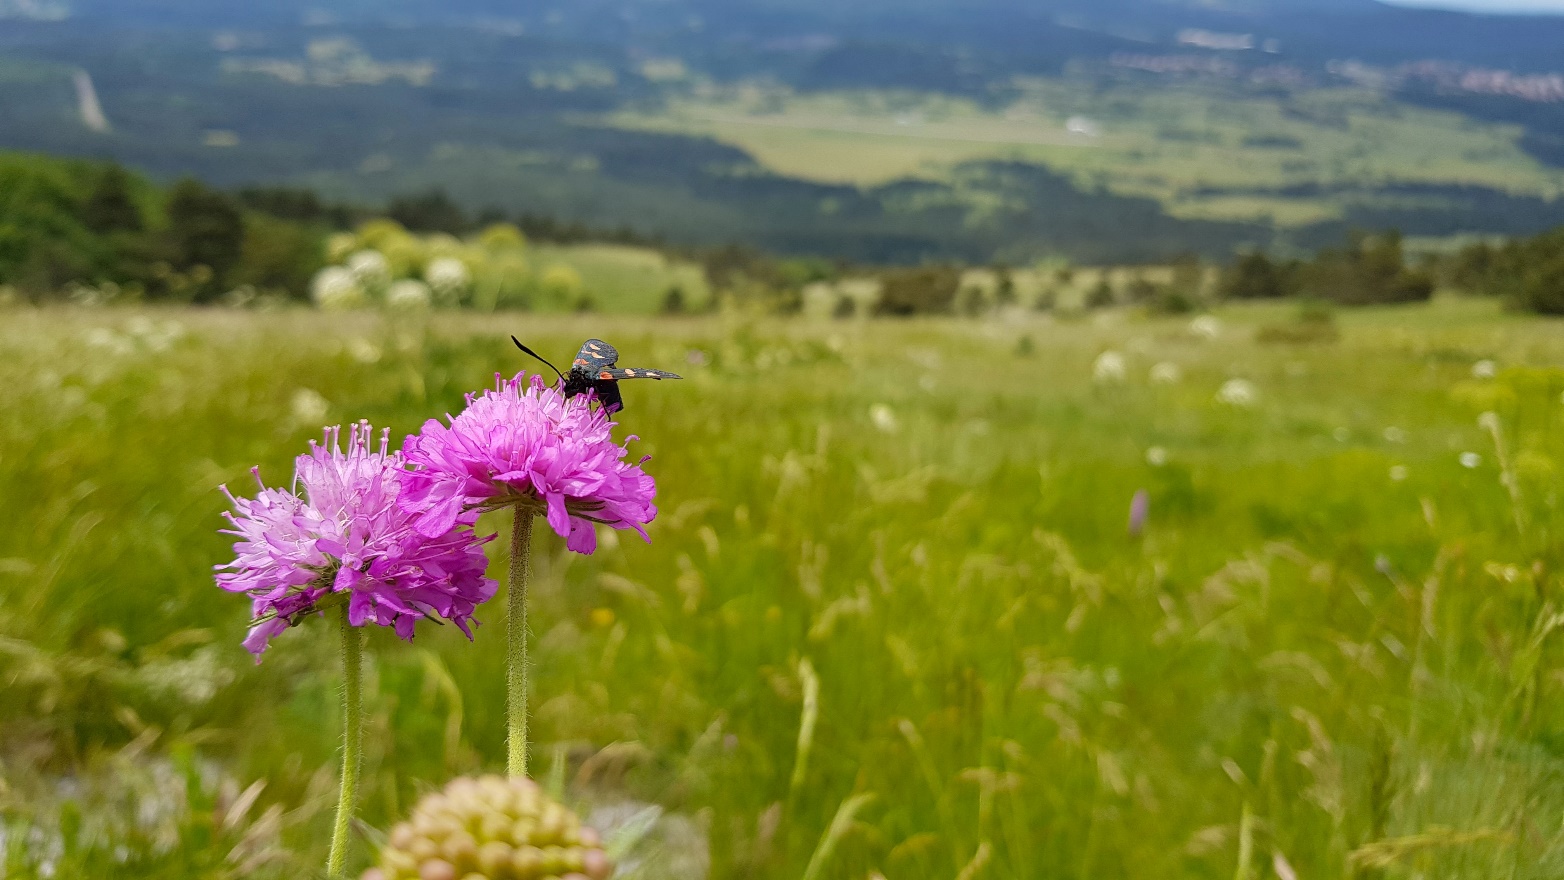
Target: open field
{"type": "Point", "coordinates": [1181, 143]}
{"type": "Point", "coordinates": [624, 279]}
{"type": "Point", "coordinates": [891, 622]}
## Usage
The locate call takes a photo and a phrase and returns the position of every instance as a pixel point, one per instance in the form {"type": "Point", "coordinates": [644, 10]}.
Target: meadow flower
{"type": "Point", "coordinates": [335, 288]}
{"type": "Point", "coordinates": [1237, 392]}
{"type": "Point", "coordinates": [1398, 472]}
{"type": "Point", "coordinates": [346, 543]}
{"type": "Point", "coordinates": [1156, 456]}
{"type": "Point", "coordinates": [1485, 369]}
{"type": "Point", "coordinates": [491, 828]}
{"type": "Point", "coordinates": [1206, 327]}
{"type": "Point", "coordinates": [884, 418]}
{"type": "Point", "coordinates": [1395, 435]}
{"type": "Point", "coordinates": [1109, 367]}
{"type": "Point", "coordinates": [448, 278]}
{"type": "Point", "coordinates": [1140, 511]}
{"type": "Point", "coordinates": [370, 269]}
{"type": "Point", "coordinates": [524, 444]}
{"type": "Point", "coordinates": [1166, 373]}
{"type": "Point", "coordinates": [1470, 460]}
{"type": "Point", "coordinates": [408, 294]}
{"type": "Point", "coordinates": [308, 406]}
{"type": "Point", "coordinates": [345, 540]}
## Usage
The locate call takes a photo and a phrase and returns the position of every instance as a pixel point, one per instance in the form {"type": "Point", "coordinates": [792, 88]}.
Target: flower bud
{"type": "Point", "coordinates": [491, 828]}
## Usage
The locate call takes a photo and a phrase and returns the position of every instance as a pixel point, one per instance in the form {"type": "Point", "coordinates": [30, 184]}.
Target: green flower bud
{"type": "Point", "coordinates": [491, 828]}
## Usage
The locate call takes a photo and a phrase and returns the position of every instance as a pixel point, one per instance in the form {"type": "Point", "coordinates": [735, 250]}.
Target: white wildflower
{"type": "Point", "coordinates": [1485, 369]}
{"type": "Point", "coordinates": [334, 288]}
{"type": "Point", "coordinates": [309, 407]}
{"type": "Point", "coordinates": [1395, 435]}
{"type": "Point", "coordinates": [1237, 392]}
{"type": "Point", "coordinates": [155, 335]}
{"type": "Point", "coordinates": [1156, 456]}
{"type": "Point", "coordinates": [1206, 327]}
{"type": "Point", "coordinates": [1166, 373]}
{"type": "Point", "coordinates": [448, 278]}
{"type": "Point", "coordinates": [370, 269]}
{"type": "Point", "coordinates": [194, 680]}
{"type": "Point", "coordinates": [1398, 472]}
{"type": "Point", "coordinates": [1109, 367]}
{"type": "Point", "coordinates": [363, 351]}
{"type": "Point", "coordinates": [409, 294]}
{"type": "Point", "coordinates": [1470, 460]}
{"type": "Point", "coordinates": [1489, 421]}
{"type": "Point", "coordinates": [105, 339]}
{"type": "Point", "coordinates": [883, 418]}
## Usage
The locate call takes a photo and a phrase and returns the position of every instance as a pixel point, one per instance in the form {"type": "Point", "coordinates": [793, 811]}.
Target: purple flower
{"type": "Point", "coordinates": [523, 443]}
{"type": "Point", "coordinates": [1140, 509]}
{"type": "Point", "coordinates": [346, 539]}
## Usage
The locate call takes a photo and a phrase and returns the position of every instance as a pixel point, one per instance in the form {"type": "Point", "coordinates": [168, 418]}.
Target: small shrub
{"type": "Point", "coordinates": [845, 307]}
{"type": "Point", "coordinates": [674, 301]}
{"type": "Point", "coordinates": [1100, 296]}
{"type": "Point", "coordinates": [929, 290]}
{"type": "Point", "coordinates": [1256, 276]}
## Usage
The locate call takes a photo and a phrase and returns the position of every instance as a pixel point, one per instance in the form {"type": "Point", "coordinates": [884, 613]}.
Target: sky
{"type": "Point", "coordinates": [1554, 6]}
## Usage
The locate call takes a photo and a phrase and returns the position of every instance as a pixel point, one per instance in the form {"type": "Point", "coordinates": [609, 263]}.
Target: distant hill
{"type": "Point", "coordinates": [1101, 129]}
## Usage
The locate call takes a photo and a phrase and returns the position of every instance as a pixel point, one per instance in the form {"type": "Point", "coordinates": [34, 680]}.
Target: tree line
{"type": "Point", "coordinates": [65, 222]}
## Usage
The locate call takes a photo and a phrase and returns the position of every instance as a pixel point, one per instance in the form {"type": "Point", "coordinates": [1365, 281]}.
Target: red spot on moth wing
{"type": "Point", "coordinates": [605, 375]}
{"type": "Point", "coordinates": [580, 362]}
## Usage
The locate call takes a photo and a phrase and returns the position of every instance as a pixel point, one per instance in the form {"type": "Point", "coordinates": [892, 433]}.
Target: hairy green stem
{"type": "Point", "coordinates": [352, 741]}
{"type": "Point", "coordinates": [516, 657]}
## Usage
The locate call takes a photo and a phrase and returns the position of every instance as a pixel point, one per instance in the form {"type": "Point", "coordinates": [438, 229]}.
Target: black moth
{"type": "Point", "coordinates": [594, 369]}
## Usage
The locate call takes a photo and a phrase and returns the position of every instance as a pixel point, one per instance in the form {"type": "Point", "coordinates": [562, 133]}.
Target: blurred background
{"type": "Point", "coordinates": [1119, 438]}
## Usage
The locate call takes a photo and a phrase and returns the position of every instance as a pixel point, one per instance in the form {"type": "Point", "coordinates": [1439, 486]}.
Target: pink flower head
{"type": "Point", "coordinates": [525, 443]}
{"type": "Point", "coordinates": [346, 539]}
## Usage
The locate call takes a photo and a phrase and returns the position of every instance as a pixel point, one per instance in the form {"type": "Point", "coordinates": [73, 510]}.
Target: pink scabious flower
{"type": "Point", "coordinates": [525, 444]}
{"type": "Point", "coordinates": [345, 538]}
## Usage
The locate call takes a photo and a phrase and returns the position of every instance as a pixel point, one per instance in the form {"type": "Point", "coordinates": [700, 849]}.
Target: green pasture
{"type": "Point", "coordinates": [622, 278]}
{"type": "Point", "coordinates": [891, 623]}
{"type": "Point", "coordinates": [1170, 142]}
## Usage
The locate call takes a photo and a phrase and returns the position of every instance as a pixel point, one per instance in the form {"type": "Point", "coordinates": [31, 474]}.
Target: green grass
{"type": "Point", "coordinates": [1167, 143]}
{"type": "Point", "coordinates": [919, 520]}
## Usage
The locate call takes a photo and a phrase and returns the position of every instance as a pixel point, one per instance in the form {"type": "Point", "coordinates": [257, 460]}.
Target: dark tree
{"type": "Point", "coordinates": [673, 300]}
{"type": "Point", "coordinates": [1004, 287]}
{"type": "Point", "coordinates": [109, 207]}
{"type": "Point", "coordinates": [929, 290]}
{"type": "Point", "coordinates": [284, 203]}
{"type": "Point", "coordinates": [1255, 276]}
{"type": "Point", "coordinates": [1371, 269]}
{"type": "Point", "coordinates": [205, 228]}
{"type": "Point", "coordinates": [1100, 296]}
{"type": "Point", "coordinates": [431, 211]}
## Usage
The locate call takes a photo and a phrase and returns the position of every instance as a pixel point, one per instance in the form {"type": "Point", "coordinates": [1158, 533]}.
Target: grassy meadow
{"type": "Point", "coordinates": [892, 622]}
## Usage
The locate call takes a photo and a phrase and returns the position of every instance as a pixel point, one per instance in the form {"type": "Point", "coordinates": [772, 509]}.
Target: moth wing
{"type": "Point", "coordinates": [638, 373]}
{"type": "Point", "coordinates": [596, 355]}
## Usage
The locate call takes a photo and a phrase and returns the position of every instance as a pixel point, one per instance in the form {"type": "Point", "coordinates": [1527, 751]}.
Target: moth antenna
{"type": "Point", "coordinates": [539, 357]}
